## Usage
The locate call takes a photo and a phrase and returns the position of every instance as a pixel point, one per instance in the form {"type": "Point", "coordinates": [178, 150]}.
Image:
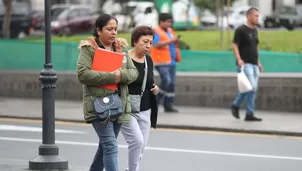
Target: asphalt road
{"type": "Point", "coordinates": [168, 150]}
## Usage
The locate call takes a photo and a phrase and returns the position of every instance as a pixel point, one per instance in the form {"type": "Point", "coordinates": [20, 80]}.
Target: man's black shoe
{"type": "Point", "coordinates": [170, 109]}
{"type": "Point", "coordinates": [235, 111]}
{"type": "Point", "coordinates": [252, 118]}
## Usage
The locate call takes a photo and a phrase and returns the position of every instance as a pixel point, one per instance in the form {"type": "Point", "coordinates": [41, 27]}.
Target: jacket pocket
{"type": "Point", "coordinates": [89, 108]}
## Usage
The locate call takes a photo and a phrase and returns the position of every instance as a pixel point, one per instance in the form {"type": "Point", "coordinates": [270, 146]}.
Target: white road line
{"type": "Point", "coordinates": [161, 149]}
{"type": "Point", "coordinates": [35, 129]}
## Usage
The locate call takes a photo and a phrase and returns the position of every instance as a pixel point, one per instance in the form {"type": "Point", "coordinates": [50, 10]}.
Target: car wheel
{"type": "Point", "coordinates": [65, 31]}
{"type": "Point", "coordinates": [269, 24]}
{"type": "Point", "coordinates": [290, 27]}
{"type": "Point", "coordinates": [15, 34]}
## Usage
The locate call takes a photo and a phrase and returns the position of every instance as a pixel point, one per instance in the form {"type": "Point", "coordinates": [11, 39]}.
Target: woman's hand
{"type": "Point", "coordinates": [117, 75]}
{"type": "Point", "coordinates": [118, 47]}
{"type": "Point", "coordinates": [155, 89]}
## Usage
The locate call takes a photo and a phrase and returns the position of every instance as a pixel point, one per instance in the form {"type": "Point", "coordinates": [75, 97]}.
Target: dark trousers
{"type": "Point", "coordinates": [167, 85]}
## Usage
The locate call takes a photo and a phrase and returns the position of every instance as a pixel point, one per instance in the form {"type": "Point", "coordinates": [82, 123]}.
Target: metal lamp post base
{"type": "Point", "coordinates": [48, 159]}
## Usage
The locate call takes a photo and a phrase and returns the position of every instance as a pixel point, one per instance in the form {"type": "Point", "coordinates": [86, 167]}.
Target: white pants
{"type": "Point", "coordinates": [136, 133]}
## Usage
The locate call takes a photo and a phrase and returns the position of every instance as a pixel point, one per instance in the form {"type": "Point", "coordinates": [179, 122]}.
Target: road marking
{"type": "Point", "coordinates": [161, 129]}
{"type": "Point", "coordinates": [40, 121]}
{"type": "Point", "coordinates": [162, 149]}
{"type": "Point", "coordinates": [35, 129]}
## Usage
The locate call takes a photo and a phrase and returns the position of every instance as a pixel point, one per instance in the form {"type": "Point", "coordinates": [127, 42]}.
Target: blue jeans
{"type": "Point", "coordinates": [107, 153]}
{"type": "Point", "coordinates": [167, 85]}
{"type": "Point", "coordinates": [252, 73]}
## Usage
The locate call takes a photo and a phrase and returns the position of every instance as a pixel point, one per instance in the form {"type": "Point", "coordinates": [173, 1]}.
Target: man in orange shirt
{"type": "Point", "coordinates": [165, 54]}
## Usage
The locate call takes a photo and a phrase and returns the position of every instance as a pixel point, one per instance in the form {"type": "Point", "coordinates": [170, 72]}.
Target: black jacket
{"type": "Point", "coordinates": [148, 100]}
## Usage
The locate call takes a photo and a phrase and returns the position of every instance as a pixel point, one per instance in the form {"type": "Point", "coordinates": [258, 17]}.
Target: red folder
{"type": "Point", "coordinates": [107, 61]}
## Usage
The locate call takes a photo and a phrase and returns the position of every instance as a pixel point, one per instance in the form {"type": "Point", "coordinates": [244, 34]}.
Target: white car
{"type": "Point", "coordinates": [237, 17]}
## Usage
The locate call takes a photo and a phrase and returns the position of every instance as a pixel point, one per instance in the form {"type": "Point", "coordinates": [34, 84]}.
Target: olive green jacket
{"type": "Point", "coordinates": [95, 79]}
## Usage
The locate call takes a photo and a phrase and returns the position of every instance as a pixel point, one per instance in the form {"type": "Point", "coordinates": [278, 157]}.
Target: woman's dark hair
{"type": "Point", "coordinates": [140, 31]}
{"type": "Point", "coordinates": [101, 21]}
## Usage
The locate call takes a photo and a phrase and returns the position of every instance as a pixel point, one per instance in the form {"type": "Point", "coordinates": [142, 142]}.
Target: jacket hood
{"type": "Point", "coordinates": [90, 41]}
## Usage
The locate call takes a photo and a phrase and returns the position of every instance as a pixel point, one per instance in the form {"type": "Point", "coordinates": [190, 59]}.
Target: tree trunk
{"type": "Point", "coordinates": [7, 18]}
{"type": "Point", "coordinates": [217, 12]}
{"type": "Point", "coordinates": [188, 16]}
{"type": "Point", "coordinates": [221, 23]}
{"type": "Point", "coordinates": [228, 27]}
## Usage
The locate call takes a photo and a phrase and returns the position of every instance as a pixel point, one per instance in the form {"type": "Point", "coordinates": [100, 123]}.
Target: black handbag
{"type": "Point", "coordinates": [108, 108]}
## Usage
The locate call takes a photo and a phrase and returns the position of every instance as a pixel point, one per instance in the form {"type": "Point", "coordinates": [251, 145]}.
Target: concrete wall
{"type": "Point", "coordinates": [279, 92]}
{"type": "Point", "coordinates": [265, 7]}
{"type": "Point", "coordinates": [289, 2]}
{"type": "Point", "coordinates": [37, 5]}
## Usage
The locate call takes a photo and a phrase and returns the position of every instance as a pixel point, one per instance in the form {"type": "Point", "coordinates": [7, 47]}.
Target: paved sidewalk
{"type": "Point", "coordinates": [189, 117]}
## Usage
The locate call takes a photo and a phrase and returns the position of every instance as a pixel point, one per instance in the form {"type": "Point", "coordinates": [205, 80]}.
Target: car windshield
{"type": "Point", "coordinates": [17, 9]}
{"type": "Point", "coordinates": [56, 12]}
{"type": "Point", "coordinates": [288, 10]}
{"type": "Point", "coordinates": [206, 13]}
{"type": "Point", "coordinates": [225, 13]}
{"type": "Point", "coordinates": [127, 10]}
{"type": "Point", "coordinates": [63, 15]}
{"type": "Point", "coordinates": [299, 10]}
{"type": "Point", "coordinates": [20, 9]}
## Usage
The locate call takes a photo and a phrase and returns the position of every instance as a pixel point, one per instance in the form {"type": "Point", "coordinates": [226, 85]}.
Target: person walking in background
{"type": "Point", "coordinates": [165, 54]}
{"type": "Point", "coordinates": [245, 46]}
{"type": "Point", "coordinates": [104, 37]}
{"type": "Point", "coordinates": [144, 108]}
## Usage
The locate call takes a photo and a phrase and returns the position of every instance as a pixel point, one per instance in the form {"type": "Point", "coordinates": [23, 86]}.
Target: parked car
{"type": "Point", "coordinates": [207, 18]}
{"type": "Point", "coordinates": [289, 17]}
{"type": "Point", "coordinates": [21, 20]}
{"type": "Point", "coordinates": [237, 17]}
{"type": "Point", "coordinates": [72, 19]}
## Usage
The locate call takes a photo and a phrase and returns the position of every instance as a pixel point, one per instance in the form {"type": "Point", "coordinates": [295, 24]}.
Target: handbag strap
{"type": "Point", "coordinates": [145, 77]}
{"type": "Point", "coordinates": [89, 92]}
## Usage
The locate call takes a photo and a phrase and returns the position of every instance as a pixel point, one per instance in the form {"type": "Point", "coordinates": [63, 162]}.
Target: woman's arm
{"type": "Point", "coordinates": [90, 77]}
{"type": "Point", "coordinates": [154, 89]}
{"type": "Point", "coordinates": [151, 69]}
{"type": "Point", "coordinates": [129, 74]}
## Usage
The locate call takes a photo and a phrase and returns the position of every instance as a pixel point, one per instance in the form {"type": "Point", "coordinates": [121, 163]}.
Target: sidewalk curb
{"type": "Point", "coordinates": [181, 127]}
{"type": "Point", "coordinates": [232, 130]}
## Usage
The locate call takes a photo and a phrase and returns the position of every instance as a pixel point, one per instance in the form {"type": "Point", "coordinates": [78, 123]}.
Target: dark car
{"type": "Point", "coordinates": [21, 20]}
{"type": "Point", "coordinates": [289, 17]}
{"type": "Point", "coordinates": [72, 19]}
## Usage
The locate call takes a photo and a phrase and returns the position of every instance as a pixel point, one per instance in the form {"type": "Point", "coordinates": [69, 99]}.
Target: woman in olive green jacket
{"type": "Point", "coordinates": [105, 37]}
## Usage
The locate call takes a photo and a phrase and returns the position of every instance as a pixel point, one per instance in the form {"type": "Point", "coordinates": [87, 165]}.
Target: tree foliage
{"type": "Point", "coordinates": [210, 4]}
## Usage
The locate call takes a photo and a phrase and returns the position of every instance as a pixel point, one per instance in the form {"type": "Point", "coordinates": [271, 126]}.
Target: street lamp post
{"type": "Point", "coordinates": [48, 158]}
